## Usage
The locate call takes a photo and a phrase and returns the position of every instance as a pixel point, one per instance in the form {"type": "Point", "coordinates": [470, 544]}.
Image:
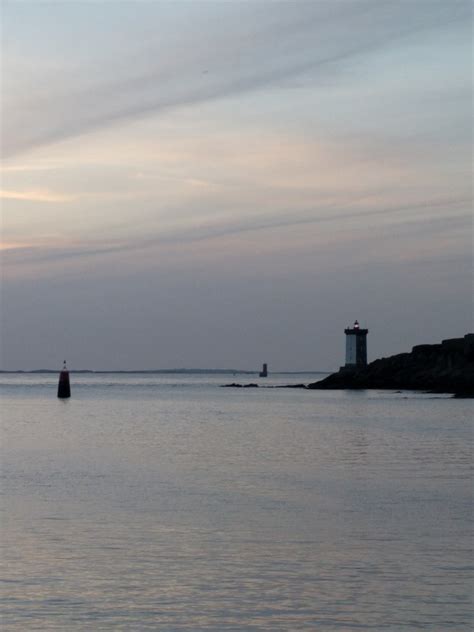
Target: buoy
{"type": "Point", "coordinates": [64, 388]}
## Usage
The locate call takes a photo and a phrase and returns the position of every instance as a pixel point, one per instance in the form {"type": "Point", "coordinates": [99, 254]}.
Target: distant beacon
{"type": "Point", "coordinates": [356, 345]}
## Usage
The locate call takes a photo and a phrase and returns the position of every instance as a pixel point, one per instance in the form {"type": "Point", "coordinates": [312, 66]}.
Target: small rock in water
{"type": "Point", "coordinates": [235, 385]}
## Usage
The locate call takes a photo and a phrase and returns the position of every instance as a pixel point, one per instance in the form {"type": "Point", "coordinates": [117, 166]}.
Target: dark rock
{"type": "Point", "coordinates": [235, 385]}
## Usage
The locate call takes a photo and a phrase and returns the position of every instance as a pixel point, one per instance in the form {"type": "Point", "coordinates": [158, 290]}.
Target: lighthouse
{"type": "Point", "coordinates": [356, 346]}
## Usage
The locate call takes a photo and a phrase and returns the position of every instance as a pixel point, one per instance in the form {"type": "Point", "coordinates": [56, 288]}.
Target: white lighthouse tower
{"type": "Point", "coordinates": [356, 346]}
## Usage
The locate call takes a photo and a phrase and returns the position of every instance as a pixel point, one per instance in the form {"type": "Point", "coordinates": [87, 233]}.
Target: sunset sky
{"type": "Point", "coordinates": [221, 184]}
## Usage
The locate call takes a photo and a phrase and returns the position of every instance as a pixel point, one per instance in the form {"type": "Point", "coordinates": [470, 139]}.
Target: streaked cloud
{"type": "Point", "coordinates": [5, 246]}
{"type": "Point", "coordinates": [255, 50]}
{"type": "Point", "coordinates": [36, 196]}
{"type": "Point", "coordinates": [415, 220]}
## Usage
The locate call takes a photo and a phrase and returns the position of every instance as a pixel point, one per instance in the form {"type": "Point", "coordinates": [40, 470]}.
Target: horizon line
{"type": "Point", "coordinates": [179, 370]}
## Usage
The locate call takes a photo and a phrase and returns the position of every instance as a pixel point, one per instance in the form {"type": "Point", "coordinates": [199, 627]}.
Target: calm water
{"type": "Point", "coordinates": [163, 502]}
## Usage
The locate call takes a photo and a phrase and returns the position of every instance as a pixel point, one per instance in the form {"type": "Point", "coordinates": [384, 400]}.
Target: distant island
{"type": "Point", "coordinates": [167, 371]}
{"type": "Point", "coordinates": [142, 371]}
{"type": "Point", "coordinates": [447, 367]}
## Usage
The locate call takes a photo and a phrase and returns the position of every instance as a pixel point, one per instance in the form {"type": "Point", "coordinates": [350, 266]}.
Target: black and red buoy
{"type": "Point", "coordinates": [64, 388]}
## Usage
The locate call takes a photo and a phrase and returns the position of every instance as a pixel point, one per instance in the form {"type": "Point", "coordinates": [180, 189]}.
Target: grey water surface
{"type": "Point", "coordinates": [164, 502]}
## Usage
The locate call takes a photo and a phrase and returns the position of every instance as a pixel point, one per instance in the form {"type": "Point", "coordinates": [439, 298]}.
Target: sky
{"type": "Point", "coordinates": [222, 184]}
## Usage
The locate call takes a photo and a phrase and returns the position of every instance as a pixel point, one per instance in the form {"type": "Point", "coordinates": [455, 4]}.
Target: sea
{"type": "Point", "coordinates": [166, 502]}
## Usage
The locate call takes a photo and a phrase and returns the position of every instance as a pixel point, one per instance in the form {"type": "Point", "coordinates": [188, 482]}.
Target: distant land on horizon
{"type": "Point", "coordinates": [149, 371]}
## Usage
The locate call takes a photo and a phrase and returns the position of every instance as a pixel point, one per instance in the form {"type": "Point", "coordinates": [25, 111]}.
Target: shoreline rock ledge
{"type": "Point", "coordinates": [447, 367]}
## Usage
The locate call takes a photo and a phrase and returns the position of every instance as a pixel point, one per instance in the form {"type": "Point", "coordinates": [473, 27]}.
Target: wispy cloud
{"type": "Point", "coordinates": [416, 219]}
{"type": "Point", "coordinates": [262, 50]}
{"type": "Point", "coordinates": [43, 195]}
{"type": "Point", "coordinates": [10, 245]}
{"type": "Point", "coordinates": [28, 168]}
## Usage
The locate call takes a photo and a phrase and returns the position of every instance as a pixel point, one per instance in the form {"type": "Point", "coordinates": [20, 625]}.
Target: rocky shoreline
{"type": "Point", "coordinates": [447, 367]}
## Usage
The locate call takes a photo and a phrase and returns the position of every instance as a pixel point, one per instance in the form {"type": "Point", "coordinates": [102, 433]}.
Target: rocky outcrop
{"type": "Point", "coordinates": [235, 385]}
{"type": "Point", "coordinates": [447, 367]}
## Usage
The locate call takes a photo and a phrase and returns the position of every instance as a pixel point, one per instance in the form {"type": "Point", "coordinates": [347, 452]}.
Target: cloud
{"type": "Point", "coordinates": [36, 196]}
{"type": "Point", "coordinates": [251, 50]}
{"type": "Point", "coordinates": [415, 220]}
{"type": "Point", "coordinates": [4, 246]}
{"type": "Point", "coordinates": [28, 168]}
